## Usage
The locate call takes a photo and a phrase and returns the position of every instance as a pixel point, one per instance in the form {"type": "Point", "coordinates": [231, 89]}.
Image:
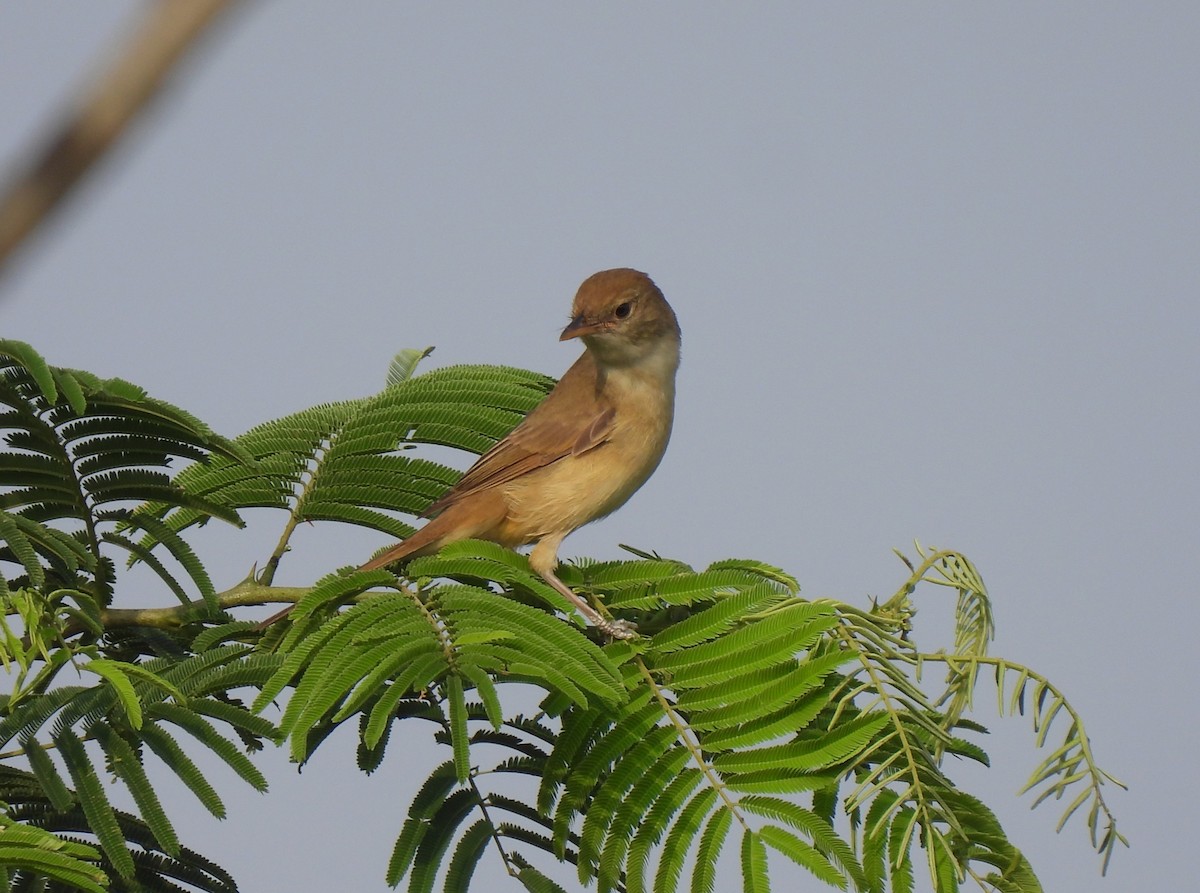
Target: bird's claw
{"type": "Point", "coordinates": [618, 629]}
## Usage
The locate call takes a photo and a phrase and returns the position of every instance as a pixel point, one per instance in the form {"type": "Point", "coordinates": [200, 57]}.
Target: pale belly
{"type": "Point", "coordinates": [579, 489]}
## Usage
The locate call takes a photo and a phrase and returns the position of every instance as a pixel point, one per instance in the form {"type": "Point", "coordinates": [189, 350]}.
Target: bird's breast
{"type": "Point", "coordinates": [581, 488]}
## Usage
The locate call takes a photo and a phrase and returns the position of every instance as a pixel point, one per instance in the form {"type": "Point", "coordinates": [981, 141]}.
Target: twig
{"type": "Point", "coordinates": [167, 32]}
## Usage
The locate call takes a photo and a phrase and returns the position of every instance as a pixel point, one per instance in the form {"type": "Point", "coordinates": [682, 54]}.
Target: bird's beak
{"type": "Point", "coordinates": [578, 327]}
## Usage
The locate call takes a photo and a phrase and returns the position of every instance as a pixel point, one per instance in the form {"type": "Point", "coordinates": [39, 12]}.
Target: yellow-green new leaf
{"type": "Point", "coordinates": [116, 675]}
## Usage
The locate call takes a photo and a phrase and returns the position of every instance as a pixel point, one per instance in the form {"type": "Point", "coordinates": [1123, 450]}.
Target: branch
{"type": "Point", "coordinates": [243, 594]}
{"type": "Point", "coordinates": [168, 31]}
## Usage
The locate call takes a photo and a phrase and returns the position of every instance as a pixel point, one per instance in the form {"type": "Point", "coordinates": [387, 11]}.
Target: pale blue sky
{"type": "Point", "coordinates": [936, 268]}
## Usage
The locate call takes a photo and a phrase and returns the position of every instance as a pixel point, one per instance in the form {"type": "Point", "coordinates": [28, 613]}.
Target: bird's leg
{"type": "Point", "coordinates": [617, 629]}
{"type": "Point", "coordinates": [543, 559]}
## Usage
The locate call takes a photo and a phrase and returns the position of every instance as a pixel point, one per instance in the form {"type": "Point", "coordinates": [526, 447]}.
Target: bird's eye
{"type": "Point", "coordinates": [623, 310]}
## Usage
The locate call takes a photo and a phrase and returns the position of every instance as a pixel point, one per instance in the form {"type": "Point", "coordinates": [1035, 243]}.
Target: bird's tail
{"type": "Point", "coordinates": [419, 543]}
{"type": "Point", "coordinates": [455, 523]}
{"type": "Point", "coordinates": [408, 548]}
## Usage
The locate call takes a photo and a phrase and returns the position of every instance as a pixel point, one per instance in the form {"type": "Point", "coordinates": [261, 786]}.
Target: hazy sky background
{"type": "Point", "coordinates": [936, 268]}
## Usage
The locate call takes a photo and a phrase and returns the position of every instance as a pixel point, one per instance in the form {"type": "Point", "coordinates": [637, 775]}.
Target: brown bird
{"type": "Point", "coordinates": [584, 450]}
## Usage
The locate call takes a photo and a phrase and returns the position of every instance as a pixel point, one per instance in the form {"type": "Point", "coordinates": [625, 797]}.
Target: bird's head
{"type": "Point", "coordinates": [623, 318]}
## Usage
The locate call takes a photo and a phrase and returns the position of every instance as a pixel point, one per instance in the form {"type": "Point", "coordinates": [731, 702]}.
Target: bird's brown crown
{"type": "Point", "coordinates": [623, 306]}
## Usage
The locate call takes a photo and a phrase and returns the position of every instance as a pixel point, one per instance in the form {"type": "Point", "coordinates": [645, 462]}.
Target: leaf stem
{"type": "Point", "coordinates": [297, 512]}
{"type": "Point", "coordinates": [681, 730]}
{"type": "Point", "coordinates": [911, 763]}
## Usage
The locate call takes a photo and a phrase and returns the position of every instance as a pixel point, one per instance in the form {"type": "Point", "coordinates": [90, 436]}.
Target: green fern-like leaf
{"type": "Point", "coordinates": [704, 867]}
{"type": "Point", "coordinates": [533, 880]}
{"type": "Point", "coordinates": [56, 791]}
{"type": "Point", "coordinates": [438, 837]}
{"type": "Point", "coordinates": [741, 703]}
{"type": "Point", "coordinates": [625, 819]}
{"type": "Point", "coordinates": [21, 545]}
{"type": "Point", "coordinates": [152, 870]}
{"type": "Point", "coordinates": [126, 764]}
{"type": "Point", "coordinates": [747, 644]}
{"type": "Point", "coordinates": [33, 852]}
{"type": "Point", "coordinates": [466, 857]}
{"type": "Point", "coordinates": [420, 816]}
{"type": "Point", "coordinates": [102, 819]}
{"type": "Point", "coordinates": [459, 739]}
{"type": "Point", "coordinates": [754, 863]}
{"type": "Point", "coordinates": [179, 549]}
{"type": "Point", "coordinates": [774, 638]}
{"type": "Point", "coordinates": [818, 752]}
{"type": "Point", "coordinates": [713, 621]}
{"type": "Point", "coordinates": [167, 749]}
{"type": "Point", "coordinates": [206, 733]}
{"type": "Point", "coordinates": [672, 800]}
{"type": "Point", "coordinates": [113, 673]}
{"type": "Point", "coordinates": [404, 364]}
{"type": "Point", "coordinates": [341, 462]}
{"type": "Point", "coordinates": [81, 452]}
{"type": "Point", "coordinates": [654, 750]}
{"type": "Point", "coordinates": [684, 828]}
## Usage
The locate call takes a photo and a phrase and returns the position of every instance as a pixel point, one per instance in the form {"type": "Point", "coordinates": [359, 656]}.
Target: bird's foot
{"type": "Point", "coordinates": [616, 629]}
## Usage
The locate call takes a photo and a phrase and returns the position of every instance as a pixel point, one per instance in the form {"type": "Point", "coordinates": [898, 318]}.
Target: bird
{"type": "Point", "coordinates": [584, 450]}
{"type": "Point", "coordinates": [580, 453]}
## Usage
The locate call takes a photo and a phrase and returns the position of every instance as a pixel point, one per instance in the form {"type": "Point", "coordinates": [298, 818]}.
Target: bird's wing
{"type": "Point", "coordinates": [573, 419]}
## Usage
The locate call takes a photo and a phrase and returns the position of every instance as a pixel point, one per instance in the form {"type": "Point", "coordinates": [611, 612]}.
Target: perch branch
{"type": "Point", "coordinates": [243, 594]}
